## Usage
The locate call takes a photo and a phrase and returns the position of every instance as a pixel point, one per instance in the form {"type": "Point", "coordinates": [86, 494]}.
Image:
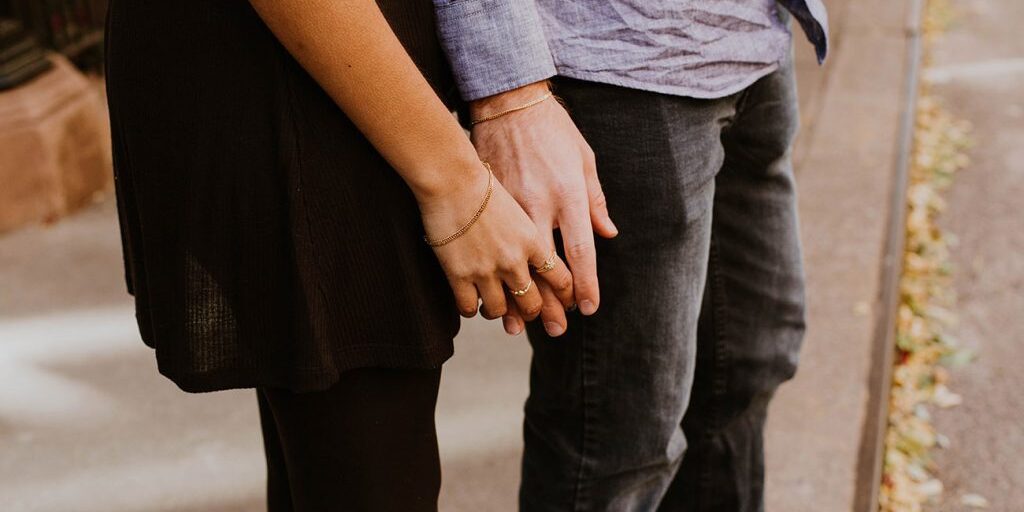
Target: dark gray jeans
{"type": "Point", "coordinates": [658, 401]}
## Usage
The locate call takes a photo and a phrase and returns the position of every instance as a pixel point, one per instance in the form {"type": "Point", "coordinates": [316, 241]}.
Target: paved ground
{"type": "Point", "coordinates": [86, 424]}
{"type": "Point", "coordinates": [845, 163]}
{"type": "Point", "coordinates": [978, 68]}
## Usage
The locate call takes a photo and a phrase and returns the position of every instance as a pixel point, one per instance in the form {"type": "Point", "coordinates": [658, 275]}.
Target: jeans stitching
{"type": "Point", "coordinates": [719, 381]}
{"type": "Point", "coordinates": [581, 496]}
{"type": "Point", "coordinates": [721, 359]}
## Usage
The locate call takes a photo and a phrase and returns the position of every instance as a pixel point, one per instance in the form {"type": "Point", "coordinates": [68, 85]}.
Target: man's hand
{"type": "Point", "coordinates": [540, 157]}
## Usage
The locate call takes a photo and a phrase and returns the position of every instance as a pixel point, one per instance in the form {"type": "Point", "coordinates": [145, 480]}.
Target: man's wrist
{"type": "Point", "coordinates": [490, 105]}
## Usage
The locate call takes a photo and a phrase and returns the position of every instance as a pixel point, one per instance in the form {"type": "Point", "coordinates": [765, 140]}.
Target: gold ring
{"type": "Point", "coordinates": [548, 264]}
{"type": "Point", "coordinates": [520, 293]}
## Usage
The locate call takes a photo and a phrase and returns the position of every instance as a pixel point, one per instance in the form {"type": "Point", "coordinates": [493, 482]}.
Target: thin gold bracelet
{"type": "Point", "coordinates": [480, 211]}
{"type": "Point", "coordinates": [524, 106]}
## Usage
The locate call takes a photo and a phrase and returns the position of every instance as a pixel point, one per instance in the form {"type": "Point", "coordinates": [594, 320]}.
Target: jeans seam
{"type": "Point", "coordinates": [721, 358]}
{"type": "Point", "coordinates": [580, 495]}
{"type": "Point", "coordinates": [719, 382]}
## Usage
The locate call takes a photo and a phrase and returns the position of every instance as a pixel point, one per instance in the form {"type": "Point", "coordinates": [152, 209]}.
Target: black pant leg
{"type": "Point", "coordinates": [366, 444]}
{"type": "Point", "coordinates": [279, 497]}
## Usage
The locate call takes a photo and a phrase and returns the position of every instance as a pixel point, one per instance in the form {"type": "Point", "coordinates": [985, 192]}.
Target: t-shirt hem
{"type": "Point", "coordinates": [673, 90]}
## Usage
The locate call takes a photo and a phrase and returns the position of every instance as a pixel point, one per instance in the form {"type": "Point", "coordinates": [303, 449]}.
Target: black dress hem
{"type": "Point", "coordinates": [312, 379]}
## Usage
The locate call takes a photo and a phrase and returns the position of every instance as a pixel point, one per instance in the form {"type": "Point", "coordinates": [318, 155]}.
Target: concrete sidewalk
{"type": "Point", "coordinates": [820, 424]}
{"type": "Point", "coordinates": [86, 424]}
{"type": "Point", "coordinates": [978, 73]}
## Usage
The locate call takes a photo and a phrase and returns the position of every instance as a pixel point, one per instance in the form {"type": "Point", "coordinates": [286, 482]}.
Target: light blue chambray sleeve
{"type": "Point", "coordinates": [493, 45]}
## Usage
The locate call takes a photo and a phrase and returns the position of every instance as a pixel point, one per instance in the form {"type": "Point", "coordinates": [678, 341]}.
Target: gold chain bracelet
{"type": "Point", "coordinates": [480, 211]}
{"type": "Point", "coordinates": [524, 106]}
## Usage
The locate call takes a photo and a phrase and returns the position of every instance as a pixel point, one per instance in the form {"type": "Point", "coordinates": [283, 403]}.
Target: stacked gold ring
{"type": "Point", "coordinates": [548, 264]}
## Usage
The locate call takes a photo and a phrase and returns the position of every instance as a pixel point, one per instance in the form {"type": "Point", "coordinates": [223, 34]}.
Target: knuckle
{"type": "Point", "coordinates": [562, 191]}
{"type": "Point", "coordinates": [531, 310]}
{"type": "Point", "coordinates": [563, 281]}
{"type": "Point", "coordinates": [509, 259]}
{"type": "Point", "coordinates": [478, 274]}
{"type": "Point", "coordinates": [579, 250]}
{"type": "Point", "coordinates": [599, 200]}
{"type": "Point", "coordinates": [463, 274]}
{"type": "Point", "coordinates": [579, 204]}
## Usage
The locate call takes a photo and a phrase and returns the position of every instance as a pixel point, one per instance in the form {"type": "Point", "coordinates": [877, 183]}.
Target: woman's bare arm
{"type": "Point", "coordinates": [350, 50]}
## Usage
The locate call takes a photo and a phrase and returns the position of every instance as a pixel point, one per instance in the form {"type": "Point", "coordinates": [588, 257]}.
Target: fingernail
{"type": "Point", "coordinates": [571, 307]}
{"type": "Point", "coordinates": [513, 327]}
{"type": "Point", "coordinates": [553, 329]}
{"type": "Point", "coordinates": [587, 307]}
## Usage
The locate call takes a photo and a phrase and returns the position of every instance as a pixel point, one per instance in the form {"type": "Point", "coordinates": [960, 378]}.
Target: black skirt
{"type": "Point", "coordinates": [266, 242]}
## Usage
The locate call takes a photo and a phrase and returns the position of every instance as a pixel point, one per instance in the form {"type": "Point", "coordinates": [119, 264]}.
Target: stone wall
{"type": "Point", "coordinates": [54, 146]}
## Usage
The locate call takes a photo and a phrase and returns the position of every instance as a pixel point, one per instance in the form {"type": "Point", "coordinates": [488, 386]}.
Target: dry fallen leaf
{"type": "Point", "coordinates": [931, 488]}
{"type": "Point", "coordinates": [927, 305]}
{"type": "Point", "coordinates": [974, 501]}
{"type": "Point", "coordinates": [945, 398]}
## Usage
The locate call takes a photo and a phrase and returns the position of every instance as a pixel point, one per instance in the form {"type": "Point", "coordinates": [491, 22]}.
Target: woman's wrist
{"type": "Point", "coordinates": [447, 182]}
{"type": "Point", "coordinates": [457, 206]}
{"type": "Point", "coordinates": [439, 241]}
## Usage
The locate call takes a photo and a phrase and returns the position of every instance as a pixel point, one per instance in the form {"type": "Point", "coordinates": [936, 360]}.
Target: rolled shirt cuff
{"type": "Point", "coordinates": [493, 45]}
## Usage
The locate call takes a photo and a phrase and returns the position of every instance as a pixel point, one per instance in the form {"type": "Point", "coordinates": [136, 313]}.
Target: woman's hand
{"type": "Point", "coordinates": [495, 254]}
